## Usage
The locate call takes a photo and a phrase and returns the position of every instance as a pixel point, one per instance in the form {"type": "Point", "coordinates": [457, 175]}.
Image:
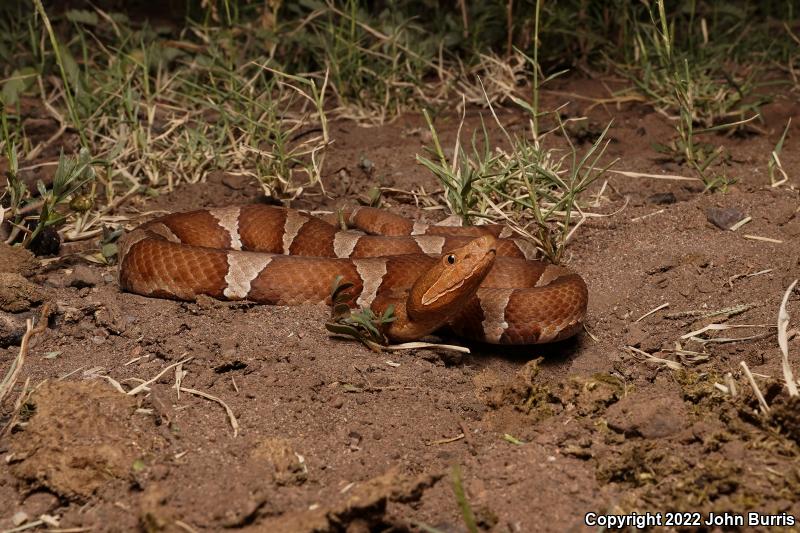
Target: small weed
{"type": "Point", "coordinates": [670, 74]}
{"type": "Point", "coordinates": [376, 64]}
{"type": "Point", "coordinates": [29, 217]}
{"type": "Point", "coordinates": [463, 503]}
{"type": "Point", "coordinates": [159, 109]}
{"type": "Point", "coordinates": [527, 186]}
{"type": "Point", "coordinates": [694, 84]}
{"type": "Point", "coordinates": [487, 519]}
{"type": "Point", "coordinates": [777, 175]}
{"type": "Point", "coordinates": [362, 324]}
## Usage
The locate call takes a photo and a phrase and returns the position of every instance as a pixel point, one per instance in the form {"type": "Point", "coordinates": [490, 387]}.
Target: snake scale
{"type": "Point", "coordinates": [481, 284]}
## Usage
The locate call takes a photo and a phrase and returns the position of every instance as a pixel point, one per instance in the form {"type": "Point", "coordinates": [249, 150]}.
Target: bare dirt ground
{"type": "Point", "coordinates": [334, 437]}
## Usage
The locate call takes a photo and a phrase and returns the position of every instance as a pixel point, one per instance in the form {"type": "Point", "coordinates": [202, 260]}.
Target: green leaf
{"type": "Point", "coordinates": [347, 387]}
{"type": "Point", "coordinates": [19, 82]}
{"type": "Point", "coordinates": [461, 498]}
{"type": "Point", "coordinates": [512, 439]}
{"type": "Point", "coordinates": [342, 329]}
{"type": "Point", "coordinates": [70, 66]}
{"type": "Point", "coordinates": [82, 16]}
{"type": "Point", "coordinates": [109, 250]}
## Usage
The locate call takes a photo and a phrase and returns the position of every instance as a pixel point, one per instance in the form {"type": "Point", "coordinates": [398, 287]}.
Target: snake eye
{"type": "Point", "coordinates": [451, 259]}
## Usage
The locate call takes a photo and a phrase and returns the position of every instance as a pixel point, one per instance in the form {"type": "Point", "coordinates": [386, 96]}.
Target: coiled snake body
{"type": "Point", "coordinates": [434, 276]}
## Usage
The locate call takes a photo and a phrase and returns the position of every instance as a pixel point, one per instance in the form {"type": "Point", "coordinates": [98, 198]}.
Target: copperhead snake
{"type": "Point", "coordinates": [484, 286]}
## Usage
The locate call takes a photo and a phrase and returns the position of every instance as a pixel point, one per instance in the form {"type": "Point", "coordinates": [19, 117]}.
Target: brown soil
{"type": "Point", "coordinates": [334, 437]}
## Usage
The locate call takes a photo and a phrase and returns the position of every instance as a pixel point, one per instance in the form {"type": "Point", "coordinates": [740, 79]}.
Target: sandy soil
{"type": "Point", "coordinates": [334, 437]}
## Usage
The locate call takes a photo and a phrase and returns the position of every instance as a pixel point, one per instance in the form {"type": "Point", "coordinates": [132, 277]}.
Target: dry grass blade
{"type": "Point", "coordinates": [11, 376]}
{"type": "Point", "coordinates": [416, 345]}
{"type": "Point", "coordinates": [763, 239]}
{"type": "Point", "coordinates": [729, 387]}
{"type": "Point", "coordinates": [21, 399]}
{"type": "Point", "coordinates": [693, 335]}
{"type": "Point", "coordinates": [741, 223]}
{"type": "Point", "coordinates": [783, 326]}
{"type": "Point", "coordinates": [445, 441]}
{"type": "Point", "coordinates": [228, 410]}
{"type": "Point", "coordinates": [731, 384]}
{"type": "Point", "coordinates": [114, 383]}
{"type": "Point", "coordinates": [142, 386]}
{"type": "Point", "coordinates": [722, 388]}
{"type": "Point", "coordinates": [750, 275]}
{"type": "Point", "coordinates": [726, 312]}
{"type": "Point", "coordinates": [463, 503]}
{"type": "Point", "coordinates": [775, 164]}
{"type": "Point", "coordinates": [674, 365]}
{"type": "Point", "coordinates": [184, 526]}
{"type": "Point", "coordinates": [629, 174]}
{"type": "Point", "coordinates": [647, 314]}
{"type": "Point", "coordinates": [16, 365]}
{"type": "Point", "coordinates": [761, 401]}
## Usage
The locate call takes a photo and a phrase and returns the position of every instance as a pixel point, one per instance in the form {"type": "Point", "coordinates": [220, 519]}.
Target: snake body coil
{"type": "Point", "coordinates": [433, 275]}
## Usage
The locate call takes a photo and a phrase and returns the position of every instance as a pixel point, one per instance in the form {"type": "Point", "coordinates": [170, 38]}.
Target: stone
{"type": "Point", "coordinates": [84, 276]}
{"type": "Point", "coordinates": [650, 418]}
{"type": "Point", "coordinates": [724, 218]}
{"type": "Point", "coordinates": [662, 198]}
{"type": "Point", "coordinates": [17, 294]}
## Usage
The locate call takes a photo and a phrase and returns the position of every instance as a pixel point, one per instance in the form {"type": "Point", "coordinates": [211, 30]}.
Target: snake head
{"type": "Point", "coordinates": [453, 280]}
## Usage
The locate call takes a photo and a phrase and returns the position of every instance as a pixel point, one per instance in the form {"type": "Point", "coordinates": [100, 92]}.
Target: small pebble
{"type": "Point", "coordinates": [724, 218]}
{"type": "Point", "coordinates": [662, 198]}
{"type": "Point", "coordinates": [19, 518]}
{"type": "Point", "coordinates": [83, 276]}
{"type": "Point", "coordinates": [235, 182]}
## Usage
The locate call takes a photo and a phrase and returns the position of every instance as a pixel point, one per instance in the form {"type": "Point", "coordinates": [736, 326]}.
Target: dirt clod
{"type": "Point", "coordinates": [362, 510]}
{"type": "Point", "coordinates": [17, 294]}
{"type": "Point", "coordinates": [17, 260]}
{"type": "Point", "coordinates": [83, 276]}
{"type": "Point", "coordinates": [648, 417]}
{"type": "Point", "coordinates": [102, 444]}
{"type": "Point", "coordinates": [287, 464]}
{"type": "Point", "coordinates": [662, 198]}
